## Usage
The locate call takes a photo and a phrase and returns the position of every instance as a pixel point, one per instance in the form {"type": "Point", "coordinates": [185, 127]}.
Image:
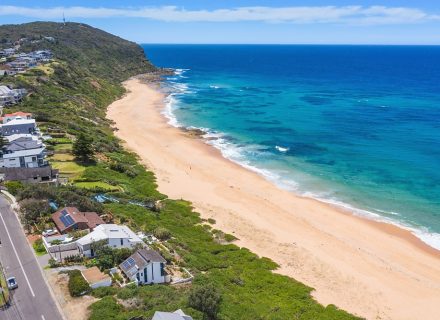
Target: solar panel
{"type": "Point", "coordinates": [128, 263]}
{"type": "Point", "coordinates": [67, 220]}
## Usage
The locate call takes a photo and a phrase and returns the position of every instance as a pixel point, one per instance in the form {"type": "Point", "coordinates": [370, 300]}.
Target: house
{"type": "Point", "coordinates": [113, 235]}
{"type": "Point", "coordinates": [145, 266]}
{"type": "Point", "coordinates": [10, 96]}
{"type": "Point", "coordinates": [32, 158]}
{"type": "Point", "coordinates": [176, 315]}
{"type": "Point", "coordinates": [70, 219]}
{"type": "Point", "coordinates": [95, 278]}
{"type": "Point", "coordinates": [7, 52]}
{"type": "Point", "coordinates": [19, 114]}
{"type": "Point", "coordinates": [30, 175]}
{"type": "Point", "coordinates": [18, 125]}
{"type": "Point", "coordinates": [6, 70]}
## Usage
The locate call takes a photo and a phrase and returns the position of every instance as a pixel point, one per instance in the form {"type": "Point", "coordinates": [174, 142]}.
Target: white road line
{"type": "Point", "coordinates": [18, 258]}
{"type": "Point", "coordinates": [42, 317]}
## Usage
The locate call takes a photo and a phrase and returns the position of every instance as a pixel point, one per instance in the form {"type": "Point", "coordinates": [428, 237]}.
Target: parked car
{"type": "Point", "coordinates": [12, 283]}
{"type": "Point", "coordinates": [49, 232]}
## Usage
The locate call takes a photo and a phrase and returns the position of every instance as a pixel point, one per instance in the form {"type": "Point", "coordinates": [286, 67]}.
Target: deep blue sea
{"type": "Point", "coordinates": [357, 126]}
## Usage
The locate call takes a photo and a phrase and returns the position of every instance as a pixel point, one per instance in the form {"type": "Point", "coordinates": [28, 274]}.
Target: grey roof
{"type": "Point", "coordinates": [176, 315]}
{"type": "Point", "coordinates": [23, 143]}
{"type": "Point", "coordinates": [27, 173]}
{"type": "Point", "coordinates": [139, 259]}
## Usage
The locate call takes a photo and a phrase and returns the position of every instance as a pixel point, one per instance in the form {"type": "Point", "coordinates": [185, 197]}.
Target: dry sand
{"type": "Point", "coordinates": [371, 269]}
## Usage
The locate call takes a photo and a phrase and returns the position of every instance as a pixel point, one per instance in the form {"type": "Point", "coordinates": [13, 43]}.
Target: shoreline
{"type": "Point", "coordinates": [370, 268]}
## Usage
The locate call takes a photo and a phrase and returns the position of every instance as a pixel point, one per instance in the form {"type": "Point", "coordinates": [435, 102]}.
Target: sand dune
{"type": "Point", "coordinates": [371, 269]}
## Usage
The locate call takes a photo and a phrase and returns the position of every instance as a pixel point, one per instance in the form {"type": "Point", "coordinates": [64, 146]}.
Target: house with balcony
{"type": "Point", "coordinates": [71, 219]}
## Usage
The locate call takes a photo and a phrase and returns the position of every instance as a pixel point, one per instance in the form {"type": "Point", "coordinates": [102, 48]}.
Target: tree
{"type": "Point", "coordinates": [206, 299]}
{"type": "Point", "coordinates": [32, 210]}
{"type": "Point", "coordinates": [83, 148]}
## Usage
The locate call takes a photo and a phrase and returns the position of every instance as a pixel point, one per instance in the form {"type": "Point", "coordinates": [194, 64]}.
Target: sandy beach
{"type": "Point", "coordinates": [371, 269]}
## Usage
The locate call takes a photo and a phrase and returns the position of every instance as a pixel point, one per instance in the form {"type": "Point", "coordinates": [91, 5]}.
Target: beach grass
{"type": "Point", "coordinates": [62, 157]}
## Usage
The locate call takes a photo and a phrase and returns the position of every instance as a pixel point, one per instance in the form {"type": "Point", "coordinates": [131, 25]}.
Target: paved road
{"type": "Point", "coordinates": [32, 299]}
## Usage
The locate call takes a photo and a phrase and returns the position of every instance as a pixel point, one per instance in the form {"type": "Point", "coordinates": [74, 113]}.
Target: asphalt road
{"type": "Point", "coordinates": [32, 299]}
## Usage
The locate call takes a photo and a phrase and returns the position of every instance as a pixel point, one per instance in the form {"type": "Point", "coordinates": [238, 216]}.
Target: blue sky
{"type": "Point", "coordinates": [245, 21]}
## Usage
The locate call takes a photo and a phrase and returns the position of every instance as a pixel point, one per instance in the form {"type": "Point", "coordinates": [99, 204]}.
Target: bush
{"type": "Point", "coordinates": [78, 286]}
{"type": "Point", "coordinates": [53, 263]}
{"type": "Point", "coordinates": [103, 292]}
{"type": "Point", "coordinates": [206, 299]}
{"type": "Point", "coordinates": [162, 233]}
{"type": "Point", "coordinates": [39, 247]}
{"type": "Point", "coordinates": [14, 187]}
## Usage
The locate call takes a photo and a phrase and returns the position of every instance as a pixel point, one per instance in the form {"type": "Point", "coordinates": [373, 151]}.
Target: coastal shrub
{"type": "Point", "coordinates": [162, 233]}
{"type": "Point", "coordinates": [206, 299]}
{"type": "Point", "coordinates": [77, 285]}
{"type": "Point", "coordinates": [102, 292]}
{"type": "Point", "coordinates": [14, 187]}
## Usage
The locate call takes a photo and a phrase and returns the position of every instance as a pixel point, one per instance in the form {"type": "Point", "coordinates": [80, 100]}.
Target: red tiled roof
{"type": "Point", "coordinates": [18, 114]}
{"type": "Point", "coordinates": [74, 216]}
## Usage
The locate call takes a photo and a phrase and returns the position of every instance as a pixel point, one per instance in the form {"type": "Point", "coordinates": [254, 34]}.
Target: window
{"type": "Point", "coordinates": [34, 159]}
{"type": "Point", "coordinates": [122, 242]}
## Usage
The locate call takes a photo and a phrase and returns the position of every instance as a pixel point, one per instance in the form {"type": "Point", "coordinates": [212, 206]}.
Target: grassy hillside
{"type": "Point", "coordinates": [70, 95]}
{"type": "Point", "coordinates": [100, 53]}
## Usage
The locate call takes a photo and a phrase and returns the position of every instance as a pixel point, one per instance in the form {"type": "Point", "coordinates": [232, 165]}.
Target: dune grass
{"type": "Point", "coordinates": [68, 169]}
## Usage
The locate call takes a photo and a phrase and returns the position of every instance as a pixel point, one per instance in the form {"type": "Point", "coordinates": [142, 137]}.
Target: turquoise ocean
{"type": "Point", "coordinates": [355, 126]}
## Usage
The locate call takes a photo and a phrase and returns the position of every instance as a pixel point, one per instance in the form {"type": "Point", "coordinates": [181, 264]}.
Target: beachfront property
{"type": "Point", "coordinates": [30, 175]}
{"type": "Point", "coordinates": [24, 148]}
{"type": "Point", "coordinates": [10, 96]}
{"type": "Point", "coordinates": [21, 64]}
{"type": "Point", "coordinates": [176, 315]}
{"type": "Point", "coordinates": [145, 266]}
{"type": "Point", "coordinates": [71, 219]}
{"type": "Point", "coordinates": [112, 235]}
{"type": "Point", "coordinates": [6, 70]}
{"type": "Point", "coordinates": [18, 125]}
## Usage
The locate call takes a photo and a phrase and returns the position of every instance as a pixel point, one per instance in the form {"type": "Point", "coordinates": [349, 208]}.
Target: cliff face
{"type": "Point", "coordinates": [82, 46]}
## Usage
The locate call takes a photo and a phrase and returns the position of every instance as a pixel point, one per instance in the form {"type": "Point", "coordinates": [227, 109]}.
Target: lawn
{"type": "Point", "coordinates": [62, 157]}
{"type": "Point", "coordinates": [62, 147]}
{"type": "Point", "coordinates": [97, 185]}
{"type": "Point", "coordinates": [39, 248]}
{"type": "Point", "coordinates": [70, 169]}
{"type": "Point", "coordinates": [5, 292]}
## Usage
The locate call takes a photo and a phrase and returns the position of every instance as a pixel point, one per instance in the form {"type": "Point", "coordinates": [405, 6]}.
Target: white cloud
{"type": "Point", "coordinates": [373, 15]}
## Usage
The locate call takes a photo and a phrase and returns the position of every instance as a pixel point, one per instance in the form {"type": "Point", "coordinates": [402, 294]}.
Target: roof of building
{"type": "Point", "coordinates": [23, 143]}
{"type": "Point", "coordinates": [69, 216]}
{"type": "Point", "coordinates": [19, 121]}
{"type": "Point", "coordinates": [18, 114]}
{"type": "Point", "coordinates": [139, 259]}
{"type": "Point", "coordinates": [24, 153]}
{"type": "Point", "coordinates": [109, 231]}
{"type": "Point", "coordinates": [4, 90]}
{"type": "Point", "coordinates": [176, 315]}
{"type": "Point", "coordinates": [94, 275]}
{"type": "Point", "coordinates": [22, 174]}
{"type": "Point", "coordinates": [16, 136]}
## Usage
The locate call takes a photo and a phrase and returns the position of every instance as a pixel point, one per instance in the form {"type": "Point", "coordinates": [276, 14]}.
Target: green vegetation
{"type": "Point", "coordinates": [13, 186]}
{"type": "Point", "coordinates": [72, 100]}
{"type": "Point", "coordinates": [82, 148]}
{"type": "Point", "coordinates": [77, 285]}
{"type": "Point", "coordinates": [4, 295]}
{"type": "Point", "coordinates": [39, 248]}
{"type": "Point", "coordinates": [97, 185]}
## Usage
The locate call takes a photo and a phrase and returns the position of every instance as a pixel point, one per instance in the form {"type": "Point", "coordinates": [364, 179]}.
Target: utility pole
{"type": "Point", "coordinates": [64, 19]}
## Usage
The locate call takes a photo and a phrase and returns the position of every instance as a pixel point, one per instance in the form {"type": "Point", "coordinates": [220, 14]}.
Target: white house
{"type": "Point", "coordinates": [112, 235]}
{"type": "Point", "coordinates": [18, 125]}
{"type": "Point", "coordinates": [176, 315]}
{"type": "Point", "coordinates": [10, 96]}
{"type": "Point", "coordinates": [32, 158]}
{"type": "Point", "coordinates": [145, 266]}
